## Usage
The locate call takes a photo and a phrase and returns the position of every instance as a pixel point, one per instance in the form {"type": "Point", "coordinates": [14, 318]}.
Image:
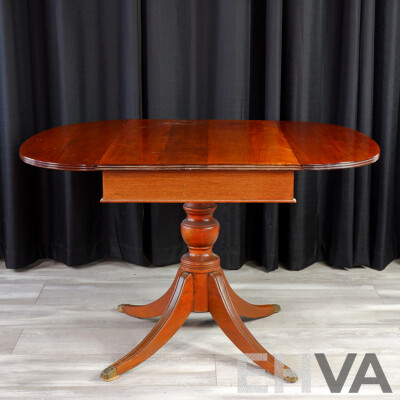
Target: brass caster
{"type": "Point", "coordinates": [121, 307]}
{"type": "Point", "coordinates": [277, 308]}
{"type": "Point", "coordinates": [289, 375]}
{"type": "Point", "coordinates": [109, 374]}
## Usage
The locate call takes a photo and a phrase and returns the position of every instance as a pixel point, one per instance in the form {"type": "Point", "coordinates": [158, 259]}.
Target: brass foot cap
{"type": "Point", "coordinates": [289, 375]}
{"type": "Point", "coordinates": [109, 374]}
{"type": "Point", "coordinates": [121, 307]}
{"type": "Point", "coordinates": [277, 308]}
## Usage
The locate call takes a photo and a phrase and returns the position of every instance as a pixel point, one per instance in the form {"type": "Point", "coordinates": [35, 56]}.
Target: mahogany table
{"type": "Point", "coordinates": [200, 163]}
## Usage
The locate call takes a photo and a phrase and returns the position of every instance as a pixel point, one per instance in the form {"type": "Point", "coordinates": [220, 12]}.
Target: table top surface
{"type": "Point", "coordinates": [199, 145]}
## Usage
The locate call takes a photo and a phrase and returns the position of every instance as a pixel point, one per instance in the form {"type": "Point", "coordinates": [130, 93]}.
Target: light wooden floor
{"type": "Point", "coordinates": [59, 327]}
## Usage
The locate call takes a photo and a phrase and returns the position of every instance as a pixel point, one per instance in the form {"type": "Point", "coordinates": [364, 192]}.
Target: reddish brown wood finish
{"type": "Point", "coordinates": [200, 186]}
{"type": "Point", "coordinates": [166, 144]}
{"type": "Point", "coordinates": [154, 309]}
{"type": "Point", "coordinates": [76, 147]}
{"type": "Point", "coordinates": [199, 144]}
{"type": "Point", "coordinates": [323, 146]}
{"type": "Point", "coordinates": [248, 310]}
{"type": "Point", "coordinates": [198, 162]}
{"type": "Point", "coordinates": [157, 307]}
{"type": "Point", "coordinates": [200, 231]}
{"type": "Point", "coordinates": [199, 286]}
{"type": "Point", "coordinates": [223, 311]}
{"type": "Point", "coordinates": [179, 307]}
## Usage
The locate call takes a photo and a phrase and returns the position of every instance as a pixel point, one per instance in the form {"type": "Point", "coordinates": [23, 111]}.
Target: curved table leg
{"type": "Point", "coordinates": [176, 313]}
{"type": "Point", "coordinates": [223, 311]}
{"type": "Point", "coordinates": [154, 309]}
{"type": "Point", "coordinates": [248, 310]}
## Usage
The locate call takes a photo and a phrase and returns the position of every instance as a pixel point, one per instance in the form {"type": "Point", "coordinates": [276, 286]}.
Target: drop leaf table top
{"type": "Point", "coordinates": [199, 144]}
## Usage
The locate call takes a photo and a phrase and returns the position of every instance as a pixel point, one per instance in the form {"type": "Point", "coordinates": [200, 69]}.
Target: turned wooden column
{"type": "Point", "coordinates": [200, 231]}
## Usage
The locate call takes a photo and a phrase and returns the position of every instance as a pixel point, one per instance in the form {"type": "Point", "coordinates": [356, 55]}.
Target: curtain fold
{"type": "Point", "coordinates": [64, 62]}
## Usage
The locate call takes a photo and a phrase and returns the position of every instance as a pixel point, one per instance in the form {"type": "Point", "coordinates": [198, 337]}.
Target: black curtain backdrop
{"type": "Point", "coordinates": [70, 61]}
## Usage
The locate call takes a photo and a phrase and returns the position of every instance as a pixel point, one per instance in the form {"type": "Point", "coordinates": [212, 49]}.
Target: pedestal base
{"type": "Point", "coordinates": [199, 286]}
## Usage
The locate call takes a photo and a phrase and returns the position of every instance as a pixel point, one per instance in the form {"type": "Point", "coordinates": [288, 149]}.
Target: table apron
{"type": "Point", "coordinates": [198, 186]}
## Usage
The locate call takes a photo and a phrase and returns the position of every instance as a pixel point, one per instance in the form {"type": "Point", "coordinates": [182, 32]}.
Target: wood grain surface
{"type": "Point", "coordinates": [199, 144]}
{"type": "Point", "coordinates": [199, 286]}
{"type": "Point", "coordinates": [72, 147]}
{"type": "Point", "coordinates": [180, 186]}
{"type": "Point", "coordinates": [323, 146]}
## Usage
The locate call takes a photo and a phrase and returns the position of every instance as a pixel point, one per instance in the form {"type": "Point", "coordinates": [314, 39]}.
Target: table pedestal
{"type": "Point", "coordinates": [199, 286]}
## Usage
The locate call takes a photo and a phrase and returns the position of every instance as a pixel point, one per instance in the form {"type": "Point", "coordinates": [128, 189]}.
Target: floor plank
{"type": "Point", "coordinates": [59, 327]}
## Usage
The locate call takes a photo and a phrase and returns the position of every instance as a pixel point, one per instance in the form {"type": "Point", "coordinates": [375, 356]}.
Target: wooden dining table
{"type": "Point", "coordinates": [199, 163]}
